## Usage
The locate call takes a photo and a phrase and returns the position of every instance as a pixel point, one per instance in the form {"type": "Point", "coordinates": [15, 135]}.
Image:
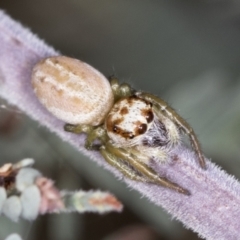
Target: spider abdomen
{"type": "Point", "coordinates": [72, 90]}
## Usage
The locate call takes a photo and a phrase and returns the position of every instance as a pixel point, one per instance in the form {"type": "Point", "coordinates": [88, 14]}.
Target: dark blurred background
{"type": "Point", "coordinates": [187, 52]}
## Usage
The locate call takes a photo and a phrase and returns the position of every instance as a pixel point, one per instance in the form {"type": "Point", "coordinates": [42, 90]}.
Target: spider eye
{"type": "Point", "coordinates": [149, 116]}
{"type": "Point", "coordinates": [142, 128]}
{"type": "Point", "coordinates": [131, 136]}
{"type": "Point", "coordinates": [115, 129]}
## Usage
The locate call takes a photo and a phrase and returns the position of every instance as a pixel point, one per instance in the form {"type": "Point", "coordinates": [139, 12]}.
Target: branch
{"type": "Point", "coordinates": [212, 210]}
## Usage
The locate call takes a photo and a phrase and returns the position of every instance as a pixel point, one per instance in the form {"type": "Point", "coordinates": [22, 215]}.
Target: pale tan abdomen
{"type": "Point", "coordinates": [72, 90]}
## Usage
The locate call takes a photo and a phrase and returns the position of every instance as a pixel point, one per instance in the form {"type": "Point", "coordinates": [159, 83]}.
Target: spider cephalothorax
{"type": "Point", "coordinates": [132, 127]}
{"type": "Point", "coordinates": [129, 119]}
{"type": "Point", "coordinates": [132, 122]}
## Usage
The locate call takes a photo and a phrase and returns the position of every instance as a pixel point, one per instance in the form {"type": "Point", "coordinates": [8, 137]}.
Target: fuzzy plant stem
{"type": "Point", "coordinates": [213, 208]}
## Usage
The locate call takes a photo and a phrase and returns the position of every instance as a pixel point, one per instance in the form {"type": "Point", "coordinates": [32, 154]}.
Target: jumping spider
{"type": "Point", "coordinates": [132, 127]}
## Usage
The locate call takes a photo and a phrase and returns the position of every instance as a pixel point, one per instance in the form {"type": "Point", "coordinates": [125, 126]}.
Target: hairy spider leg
{"type": "Point", "coordinates": [172, 114]}
{"type": "Point", "coordinates": [123, 168]}
{"type": "Point", "coordinates": [92, 133]}
{"type": "Point", "coordinates": [112, 156]}
{"type": "Point", "coordinates": [120, 91]}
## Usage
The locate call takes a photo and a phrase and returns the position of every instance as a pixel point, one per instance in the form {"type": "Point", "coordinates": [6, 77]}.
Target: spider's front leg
{"type": "Point", "coordinates": [170, 113]}
{"type": "Point", "coordinates": [92, 133]}
{"type": "Point", "coordinates": [112, 156]}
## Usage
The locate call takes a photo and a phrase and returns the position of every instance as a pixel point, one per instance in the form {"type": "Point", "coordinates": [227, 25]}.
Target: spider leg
{"type": "Point", "coordinates": [112, 156]}
{"type": "Point", "coordinates": [123, 168]}
{"type": "Point", "coordinates": [77, 128]}
{"type": "Point", "coordinates": [93, 133]}
{"type": "Point", "coordinates": [172, 114]}
{"type": "Point", "coordinates": [119, 91]}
